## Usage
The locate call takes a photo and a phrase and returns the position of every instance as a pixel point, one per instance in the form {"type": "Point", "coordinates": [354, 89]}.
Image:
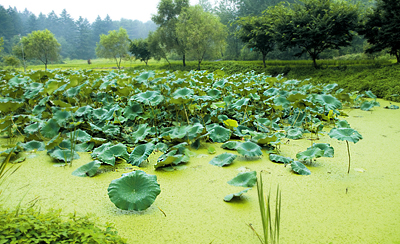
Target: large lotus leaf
{"type": "Point", "coordinates": [329, 102]}
{"type": "Point", "coordinates": [345, 134]}
{"type": "Point", "coordinates": [7, 105]}
{"type": "Point", "coordinates": [310, 153]}
{"type": "Point", "coordinates": [64, 155]}
{"type": "Point", "coordinates": [280, 159]}
{"type": "Point", "coordinates": [32, 129]}
{"type": "Point", "coordinates": [72, 92]}
{"type": "Point", "coordinates": [182, 95]}
{"type": "Point", "coordinates": [223, 159]}
{"type": "Point", "coordinates": [249, 149]}
{"type": "Point", "coordinates": [111, 130]}
{"type": "Point", "coordinates": [140, 134]}
{"type": "Point", "coordinates": [241, 131]}
{"type": "Point", "coordinates": [172, 160]}
{"type": "Point", "coordinates": [230, 123]}
{"type": "Point", "coordinates": [328, 150]}
{"type": "Point", "coordinates": [80, 135]}
{"type": "Point", "coordinates": [264, 138]}
{"type": "Point", "coordinates": [296, 96]}
{"type": "Point", "coordinates": [84, 147]}
{"type": "Point", "coordinates": [195, 130]}
{"type": "Point", "coordinates": [96, 152]}
{"type": "Point", "coordinates": [55, 141]}
{"type": "Point", "coordinates": [214, 93]}
{"type": "Point", "coordinates": [34, 145]}
{"type": "Point", "coordinates": [229, 197]}
{"type": "Point", "coordinates": [50, 129]}
{"type": "Point", "coordinates": [239, 103]}
{"type": "Point", "coordinates": [370, 94]}
{"type": "Point", "coordinates": [89, 169]}
{"type": "Point", "coordinates": [152, 98]}
{"type": "Point", "coordinates": [134, 191]}
{"type": "Point", "coordinates": [342, 124]}
{"type": "Point", "coordinates": [83, 111]}
{"type": "Point", "coordinates": [300, 168]}
{"type": "Point", "coordinates": [99, 113]}
{"type": "Point", "coordinates": [140, 153]}
{"type": "Point", "coordinates": [294, 133]}
{"type": "Point", "coordinates": [281, 102]}
{"type": "Point", "coordinates": [108, 155]}
{"type": "Point", "coordinates": [177, 132]}
{"type": "Point", "coordinates": [244, 179]}
{"type": "Point", "coordinates": [231, 145]}
{"type": "Point", "coordinates": [219, 134]}
{"type": "Point", "coordinates": [161, 147]}
{"type": "Point", "coordinates": [132, 111]}
{"type": "Point", "coordinates": [366, 106]}
{"type": "Point", "coordinates": [271, 92]}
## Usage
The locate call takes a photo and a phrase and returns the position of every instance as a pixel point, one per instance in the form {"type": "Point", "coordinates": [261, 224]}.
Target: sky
{"type": "Point", "coordinates": [127, 9]}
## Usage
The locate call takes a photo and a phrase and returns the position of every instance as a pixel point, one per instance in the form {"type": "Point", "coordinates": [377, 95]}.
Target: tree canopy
{"type": "Point", "coordinates": [115, 45]}
{"type": "Point", "coordinates": [139, 48]}
{"type": "Point", "coordinates": [41, 45]}
{"type": "Point", "coordinates": [382, 28]}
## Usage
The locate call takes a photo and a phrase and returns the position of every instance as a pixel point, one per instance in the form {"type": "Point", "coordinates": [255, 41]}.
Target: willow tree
{"type": "Point", "coordinates": [202, 33]}
{"type": "Point", "coordinates": [115, 45]}
{"type": "Point", "coordinates": [41, 45]}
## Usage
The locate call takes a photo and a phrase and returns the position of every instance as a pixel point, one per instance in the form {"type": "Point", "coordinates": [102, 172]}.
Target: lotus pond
{"type": "Point", "coordinates": [204, 136]}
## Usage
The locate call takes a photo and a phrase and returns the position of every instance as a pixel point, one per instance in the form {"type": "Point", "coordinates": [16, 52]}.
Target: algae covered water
{"type": "Point", "coordinates": [328, 206]}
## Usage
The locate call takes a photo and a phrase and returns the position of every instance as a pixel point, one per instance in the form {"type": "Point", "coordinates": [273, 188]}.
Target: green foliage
{"type": "Point", "coordinates": [223, 159]}
{"type": "Point", "coordinates": [115, 45]}
{"type": "Point", "coordinates": [11, 61]}
{"type": "Point", "coordinates": [41, 45]}
{"type": "Point", "coordinates": [140, 49]}
{"type": "Point", "coordinates": [381, 28]}
{"type": "Point", "coordinates": [244, 179]}
{"type": "Point", "coordinates": [236, 195]}
{"type": "Point", "coordinates": [30, 226]}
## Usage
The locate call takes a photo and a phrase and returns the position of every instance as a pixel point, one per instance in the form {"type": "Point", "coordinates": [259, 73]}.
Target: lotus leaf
{"type": "Point", "coordinates": [140, 153]}
{"type": "Point", "coordinates": [132, 111]}
{"type": "Point", "coordinates": [241, 131]}
{"type": "Point", "coordinates": [50, 129]}
{"type": "Point", "coordinates": [32, 129]}
{"type": "Point", "coordinates": [109, 154]}
{"type": "Point", "coordinates": [55, 141]}
{"type": "Point", "coordinates": [370, 94]}
{"type": "Point", "coordinates": [64, 155]}
{"type": "Point", "coordinates": [182, 95]}
{"type": "Point", "coordinates": [231, 145]}
{"type": "Point", "coordinates": [84, 147]}
{"type": "Point", "coordinates": [310, 153]}
{"type": "Point", "coordinates": [80, 135]}
{"type": "Point", "coordinates": [342, 124]}
{"type": "Point", "coordinates": [392, 106]}
{"type": "Point", "coordinates": [89, 169]}
{"type": "Point", "coordinates": [345, 134]}
{"type": "Point", "coordinates": [171, 158]}
{"type": "Point", "coordinates": [249, 149]}
{"type": "Point", "coordinates": [294, 133]}
{"type": "Point", "coordinates": [328, 150]}
{"type": "Point", "coordinates": [177, 133]}
{"type": "Point", "coordinates": [223, 159]}
{"type": "Point", "coordinates": [271, 92]}
{"type": "Point", "coordinates": [161, 147]}
{"type": "Point", "coordinates": [152, 98]}
{"type": "Point", "coordinates": [264, 139]}
{"type": "Point", "coordinates": [134, 191]}
{"type": "Point", "coordinates": [96, 152]}
{"type": "Point", "coordinates": [244, 179]}
{"type": "Point", "coordinates": [219, 134]}
{"type": "Point", "coordinates": [230, 123]}
{"type": "Point", "coordinates": [99, 113]}
{"type": "Point", "coordinates": [140, 134]}
{"type": "Point", "coordinates": [229, 197]}
{"type": "Point", "coordinates": [329, 102]}
{"type": "Point", "coordinates": [84, 111]}
{"type": "Point", "coordinates": [280, 159]}
{"type": "Point", "coordinates": [214, 93]}
{"type": "Point", "coordinates": [195, 130]}
{"type": "Point", "coordinates": [34, 145]}
{"type": "Point", "coordinates": [7, 105]}
{"type": "Point", "coordinates": [240, 103]}
{"type": "Point", "coordinates": [211, 150]}
{"type": "Point", "coordinates": [300, 168]}
{"type": "Point", "coordinates": [281, 102]}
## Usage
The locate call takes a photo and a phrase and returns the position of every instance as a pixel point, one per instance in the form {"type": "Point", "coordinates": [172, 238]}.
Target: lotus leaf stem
{"type": "Point", "coordinates": [348, 152]}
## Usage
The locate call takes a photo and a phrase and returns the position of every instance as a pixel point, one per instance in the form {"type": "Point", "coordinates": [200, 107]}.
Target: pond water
{"type": "Point", "coordinates": [328, 206]}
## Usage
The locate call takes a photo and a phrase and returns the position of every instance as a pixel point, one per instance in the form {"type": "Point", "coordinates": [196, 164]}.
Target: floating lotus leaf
{"type": "Point", "coordinates": [140, 153]}
{"type": "Point", "coordinates": [109, 155]}
{"type": "Point", "coordinates": [264, 138]}
{"type": "Point", "coordinates": [231, 145]}
{"type": "Point", "coordinates": [223, 159]}
{"type": "Point", "coordinates": [300, 168]}
{"type": "Point", "coordinates": [229, 197]}
{"type": "Point", "coordinates": [220, 134]}
{"type": "Point", "coordinates": [366, 106]}
{"type": "Point", "coordinates": [171, 158]}
{"type": "Point", "coordinates": [370, 94]}
{"type": "Point", "coordinates": [280, 159]}
{"type": "Point", "coordinates": [134, 191]}
{"type": "Point", "coordinates": [328, 150]}
{"type": "Point", "coordinates": [249, 149]}
{"type": "Point", "coordinates": [96, 152]}
{"type": "Point", "coordinates": [182, 95]}
{"type": "Point", "coordinates": [392, 107]}
{"type": "Point", "coordinates": [310, 153]}
{"type": "Point", "coordinates": [89, 169]}
{"type": "Point", "coordinates": [244, 179]}
{"type": "Point", "coordinates": [345, 134]}
{"type": "Point", "coordinates": [149, 97]}
{"type": "Point", "coordinates": [329, 102]}
{"type": "Point", "coordinates": [50, 129]}
{"type": "Point", "coordinates": [230, 123]}
{"type": "Point", "coordinates": [80, 135]}
{"type": "Point", "coordinates": [34, 145]}
{"type": "Point", "coordinates": [211, 150]}
{"type": "Point", "coordinates": [294, 133]}
{"type": "Point", "coordinates": [342, 124]}
{"type": "Point", "coordinates": [64, 155]}
{"type": "Point", "coordinates": [84, 147]}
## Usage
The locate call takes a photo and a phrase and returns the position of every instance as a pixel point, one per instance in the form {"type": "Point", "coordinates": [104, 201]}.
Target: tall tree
{"type": "Point", "coordinates": [167, 17]}
{"type": "Point", "coordinates": [140, 49]}
{"type": "Point", "coordinates": [83, 49]}
{"type": "Point", "coordinates": [41, 45]}
{"type": "Point", "coordinates": [157, 48]}
{"type": "Point", "coordinates": [382, 28]}
{"type": "Point", "coordinates": [314, 26]}
{"type": "Point", "coordinates": [68, 31]}
{"type": "Point", "coordinates": [115, 46]}
{"type": "Point", "coordinates": [53, 24]}
{"type": "Point", "coordinates": [202, 32]}
{"type": "Point", "coordinates": [258, 34]}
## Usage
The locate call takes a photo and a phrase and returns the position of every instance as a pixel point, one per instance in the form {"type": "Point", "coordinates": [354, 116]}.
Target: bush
{"type": "Point", "coordinates": [30, 226]}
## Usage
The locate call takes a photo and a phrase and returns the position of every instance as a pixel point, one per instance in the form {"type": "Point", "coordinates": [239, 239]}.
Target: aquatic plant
{"type": "Point", "coordinates": [249, 149]}
{"type": "Point", "coordinates": [244, 179]}
{"type": "Point", "coordinates": [134, 191]}
{"type": "Point", "coordinates": [89, 169]}
{"type": "Point", "coordinates": [346, 134]}
{"type": "Point", "coordinates": [232, 196]}
{"type": "Point", "coordinates": [223, 159]}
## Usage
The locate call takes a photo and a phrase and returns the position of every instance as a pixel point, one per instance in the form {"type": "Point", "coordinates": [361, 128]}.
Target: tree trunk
{"type": "Point", "coordinates": [184, 60]}
{"type": "Point", "coordinates": [264, 59]}
{"type": "Point", "coordinates": [198, 65]}
{"type": "Point", "coordinates": [398, 57]}
{"type": "Point", "coordinates": [314, 62]}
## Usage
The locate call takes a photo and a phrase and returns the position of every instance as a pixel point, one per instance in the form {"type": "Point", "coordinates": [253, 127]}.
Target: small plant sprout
{"type": "Point", "coordinates": [346, 134]}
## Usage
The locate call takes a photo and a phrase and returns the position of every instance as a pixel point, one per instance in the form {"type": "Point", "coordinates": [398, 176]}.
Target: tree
{"type": "Point", "coordinates": [11, 61]}
{"type": "Point", "coordinates": [202, 33]}
{"type": "Point", "coordinates": [1, 44]}
{"type": "Point", "coordinates": [41, 45]}
{"type": "Point", "coordinates": [139, 48]}
{"type": "Point", "coordinates": [115, 45]}
{"type": "Point", "coordinates": [257, 33]}
{"type": "Point", "coordinates": [157, 48]}
{"type": "Point", "coordinates": [382, 28]}
{"type": "Point", "coordinates": [314, 26]}
{"type": "Point", "coordinates": [83, 48]}
{"type": "Point", "coordinates": [167, 17]}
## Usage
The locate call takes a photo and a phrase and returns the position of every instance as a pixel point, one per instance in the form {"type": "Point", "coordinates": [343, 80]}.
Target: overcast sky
{"type": "Point", "coordinates": [127, 9]}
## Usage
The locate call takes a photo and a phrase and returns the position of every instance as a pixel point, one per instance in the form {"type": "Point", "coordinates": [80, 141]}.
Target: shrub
{"type": "Point", "coordinates": [31, 226]}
